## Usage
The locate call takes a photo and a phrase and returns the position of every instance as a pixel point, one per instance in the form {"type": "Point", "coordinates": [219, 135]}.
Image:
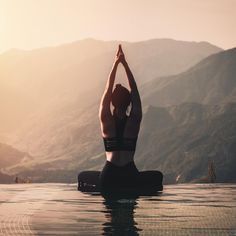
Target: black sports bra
{"type": "Point", "coordinates": [119, 143]}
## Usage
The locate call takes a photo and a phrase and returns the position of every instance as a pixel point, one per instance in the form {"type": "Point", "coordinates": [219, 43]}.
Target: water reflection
{"type": "Point", "coordinates": [58, 209]}
{"type": "Point", "coordinates": [120, 214]}
{"type": "Point", "coordinates": [120, 217]}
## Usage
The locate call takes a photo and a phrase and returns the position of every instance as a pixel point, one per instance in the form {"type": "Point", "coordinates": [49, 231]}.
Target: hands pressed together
{"type": "Point", "coordinates": [120, 56]}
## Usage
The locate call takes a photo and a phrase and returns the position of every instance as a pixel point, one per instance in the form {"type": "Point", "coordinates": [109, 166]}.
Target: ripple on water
{"type": "Point", "coordinates": [58, 209]}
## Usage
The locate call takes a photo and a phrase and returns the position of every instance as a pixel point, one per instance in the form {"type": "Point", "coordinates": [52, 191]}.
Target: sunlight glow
{"type": "Point", "coordinates": [30, 24]}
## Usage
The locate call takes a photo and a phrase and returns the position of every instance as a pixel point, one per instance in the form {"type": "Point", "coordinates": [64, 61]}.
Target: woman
{"type": "Point", "coordinates": [120, 132]}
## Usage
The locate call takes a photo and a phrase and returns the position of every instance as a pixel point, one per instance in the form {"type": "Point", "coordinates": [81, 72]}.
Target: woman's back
{"type": "Point", "coordinates": [120, 148]}
{"type": "Point", "coordinates": [120, 134]}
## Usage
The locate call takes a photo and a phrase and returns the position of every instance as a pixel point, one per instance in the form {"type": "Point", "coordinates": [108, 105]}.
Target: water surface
{"type": "Point", "coordinates": [58, 209]}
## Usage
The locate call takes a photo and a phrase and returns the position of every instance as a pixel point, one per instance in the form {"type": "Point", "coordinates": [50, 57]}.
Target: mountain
{"type": "Point", "coordinates": [211, 81]}
{"type": "Point", "coordinates": [55, 77]}
{"type": "Point", "coordinates": [9, 158]}
{"type": "Point", "coordinates": [6, 179]}
{"type": "Point", "coordinates": [181, 140]}
{"type": "Point", "coordinates": [180, 133]}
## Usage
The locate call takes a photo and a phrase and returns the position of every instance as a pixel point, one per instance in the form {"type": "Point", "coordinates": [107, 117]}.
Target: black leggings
{"type": "Point", "coordinates": [128, 176]}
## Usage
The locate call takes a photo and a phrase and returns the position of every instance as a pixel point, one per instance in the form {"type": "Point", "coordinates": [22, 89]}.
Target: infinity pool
{"type": "Point", "coordinates": [59, 209]}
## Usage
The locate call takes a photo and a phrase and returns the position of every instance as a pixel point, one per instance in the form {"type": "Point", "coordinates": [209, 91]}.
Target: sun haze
{"type": "Point", "coordinates": [30, 24]}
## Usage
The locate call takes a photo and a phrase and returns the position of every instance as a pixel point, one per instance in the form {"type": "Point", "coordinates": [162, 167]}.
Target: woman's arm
{"type": "Point", "coordinates": [104, 111]}
{"type": "Point", "coordinates": [136, 110]}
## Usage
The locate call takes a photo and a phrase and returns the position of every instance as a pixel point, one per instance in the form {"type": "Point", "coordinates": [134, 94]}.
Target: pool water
{"type": "Point", "coordinates": [59, 209]}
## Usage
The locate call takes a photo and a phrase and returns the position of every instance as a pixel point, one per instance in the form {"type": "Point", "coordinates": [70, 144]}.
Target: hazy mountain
{"type": "Point", "coordinates": [10, 157]}
{"type": "Point", "coordinates": [211, 81]}
{"type": "Point", "coordinates": [178, 140]}
{"type": "Point", "coordinates": [53, 77]}
{"type": "Point", "coordinates": [6, 179]}
{"type": "Point", "coordinates": [181, 140]}
{"type": "Point", "coordinates": [62, 135]}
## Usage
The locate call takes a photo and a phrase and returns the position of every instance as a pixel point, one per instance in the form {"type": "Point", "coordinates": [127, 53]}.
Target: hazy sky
{"type": "Point", "coordinates": [38, 23]}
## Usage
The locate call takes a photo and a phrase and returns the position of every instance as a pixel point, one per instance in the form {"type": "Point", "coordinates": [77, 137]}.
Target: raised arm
{"type": "Point", "coordinates": [136, 110]}
{"type": "Point", "coordinates": [104, 111]}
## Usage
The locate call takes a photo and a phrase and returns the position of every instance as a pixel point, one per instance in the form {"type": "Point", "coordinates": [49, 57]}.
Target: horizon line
{"type": "Point", "coordinates": [105, 40]}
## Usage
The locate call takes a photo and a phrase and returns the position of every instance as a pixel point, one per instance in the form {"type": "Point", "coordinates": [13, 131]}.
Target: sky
{"type": "Point", "coordinates": [27, 24]}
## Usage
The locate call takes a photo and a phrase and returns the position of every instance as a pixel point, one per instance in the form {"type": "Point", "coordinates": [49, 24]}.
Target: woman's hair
{"type": "Point", "coordinates": [120, 97]}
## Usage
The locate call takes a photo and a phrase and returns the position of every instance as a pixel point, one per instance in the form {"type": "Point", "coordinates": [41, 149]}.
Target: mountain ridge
{"type": "Point", "coordinates": [12, 50]}
{"type": "Point", "coordinates": [195, 84]}
{"type": "Point", "coordinates": [181, 147]}
{"type": "Point", "coordinates": [65, 137]}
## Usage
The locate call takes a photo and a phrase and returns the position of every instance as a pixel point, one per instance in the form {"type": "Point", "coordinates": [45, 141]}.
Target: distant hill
{"type": "Point", "coordinates": [51, 78]}
{"type": "Point", "coordinates": [189, 120]}
{"type": "Point", "coordinates": [178, 140]}
{"type": "Point", "coordinates": [181, 140]}
{"type": "Point", "coordinates": [211, 81]}
{"type": "Point", "coordinates": [10, 157]}
{"type": "Point", "coordinates": [6, 179]}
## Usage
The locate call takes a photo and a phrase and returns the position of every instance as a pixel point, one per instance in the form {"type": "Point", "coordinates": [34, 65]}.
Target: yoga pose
{"type": "Point", "coordinates": [120, 132]}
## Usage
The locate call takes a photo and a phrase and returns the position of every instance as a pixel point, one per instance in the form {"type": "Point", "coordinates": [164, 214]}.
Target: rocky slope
{"type": "Point", "coordinates": [181, 140]}
{"type": "Point", "coordinates": [211, 81]}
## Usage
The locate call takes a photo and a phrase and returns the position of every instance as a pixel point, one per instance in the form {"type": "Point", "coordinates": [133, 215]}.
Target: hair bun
{"type": "Point", "coordinates": [120, 97]}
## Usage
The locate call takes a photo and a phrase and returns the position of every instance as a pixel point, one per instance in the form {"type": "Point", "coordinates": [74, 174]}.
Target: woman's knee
{"type": "Point", "coordinates": [151, 176]}
{"type": "Point", "coordinates": [159, 174]}
{"type": "Point", "coordinates": [156, 176]}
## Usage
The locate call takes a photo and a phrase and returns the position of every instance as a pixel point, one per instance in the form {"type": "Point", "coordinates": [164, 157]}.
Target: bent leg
{"type": "Point", "coordinates": [88, 180]}
{"type": "Point", "coordinates": [151, 178]}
